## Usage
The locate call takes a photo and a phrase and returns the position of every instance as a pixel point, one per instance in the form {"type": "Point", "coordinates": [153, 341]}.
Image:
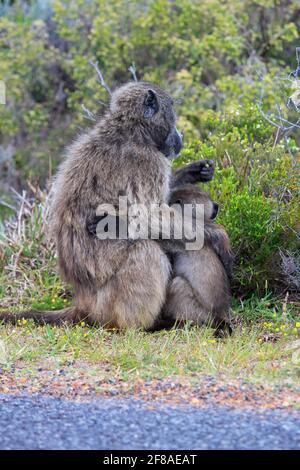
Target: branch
{"type": "Point", "coordinates": [88, 114]}
{"type": "Point", "coordinates": [280, 118]}
{"type": "Point", "coordinates": [5, 204]}
{"type": "Point", "coordinates": [296, 72]}
{"type": "Point", "coordinates": [102, 103]}
{"type": "Point", "coordinates": [132, 70]}
{"type": "Point", "coordinates": [100, 76]}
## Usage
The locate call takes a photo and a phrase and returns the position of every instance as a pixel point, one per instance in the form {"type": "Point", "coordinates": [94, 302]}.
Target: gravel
{"type": "Point", "coordinates": [38, 422]}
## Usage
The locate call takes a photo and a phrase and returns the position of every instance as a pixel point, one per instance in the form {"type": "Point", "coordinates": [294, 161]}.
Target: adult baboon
{"type": "Point", "coordinates": [200, 288]}
{"type": "Point", "coordinates": [117, 282]}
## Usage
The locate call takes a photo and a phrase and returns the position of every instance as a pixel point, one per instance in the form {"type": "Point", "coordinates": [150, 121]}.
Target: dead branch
{"type": "Point", "coordinates": [88, 114]}
{"type": "Point", "coordinates": [100, 76]}
{"type": "Point", "coordinates": [284, 125]}
{"type": "Point", "coordinates": [132, 70]}
{"type": "Point", "coordinates": [5, 204]}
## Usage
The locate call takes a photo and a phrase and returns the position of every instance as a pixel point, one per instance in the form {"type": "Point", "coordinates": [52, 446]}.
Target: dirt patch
{"type": "Point", "coordinates": [78, 380]}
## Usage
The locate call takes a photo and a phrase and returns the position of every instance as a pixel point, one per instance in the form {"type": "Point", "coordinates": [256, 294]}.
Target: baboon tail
{"type": "Point", "coordinates": [54, 317]}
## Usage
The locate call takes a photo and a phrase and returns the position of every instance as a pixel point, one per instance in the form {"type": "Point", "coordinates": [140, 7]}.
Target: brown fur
{"type": "Point", "coordinates": [200, 288]}
{"type": "Point", "coordinates": [117, 283]}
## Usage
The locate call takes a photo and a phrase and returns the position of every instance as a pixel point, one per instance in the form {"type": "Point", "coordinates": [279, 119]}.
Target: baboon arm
{"type": "Point", "coordinates": [217, 237]}
{"type": "Point", "coordinates": [157, 230]}
{"type": "Point", "coordinates": [178, 232]}
{"type": "Point", "coordinates": [200, 171]}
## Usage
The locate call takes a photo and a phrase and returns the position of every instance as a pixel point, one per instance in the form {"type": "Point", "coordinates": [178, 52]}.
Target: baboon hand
{"type": "Point", "coordinates": [91, 224]}
{"type": "Point", "coordinates": [220, 243]}
{"type": "Point", "coordinates": [205, 169]}
{"type": "Point", "coordinates": [200, 171]}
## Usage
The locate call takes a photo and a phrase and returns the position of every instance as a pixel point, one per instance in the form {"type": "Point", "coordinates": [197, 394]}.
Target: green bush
{"type": "Point", "coordinates": [216, 58]}
{"type": "Point", "coordinates": [257, 192]}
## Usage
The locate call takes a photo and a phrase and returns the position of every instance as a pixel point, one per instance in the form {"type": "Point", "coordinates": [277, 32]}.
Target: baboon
{"type": "Point", "coordinates": [118, 283]}
{"type": "Point", "coordinates": [200, 288]}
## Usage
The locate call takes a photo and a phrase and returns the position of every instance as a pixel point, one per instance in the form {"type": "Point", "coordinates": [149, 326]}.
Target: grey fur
{"type": "Point", "coordinates": [200, 288]}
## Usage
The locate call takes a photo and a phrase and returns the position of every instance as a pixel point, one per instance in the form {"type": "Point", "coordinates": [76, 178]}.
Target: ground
{"type": "Point", "coordinates": [234, 392]}
{"type": "Point", "coordinates": [184, 365]}
{"type": "Point", "coordinates": [258, 366]}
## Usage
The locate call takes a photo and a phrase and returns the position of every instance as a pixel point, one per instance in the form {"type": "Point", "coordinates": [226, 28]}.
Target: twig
{"type": "Point", "coordinates": [100, 76]}
{"type": "Point", "coordinates": [20, 215]}
{"type": "Point", "coordinates": [276, 138]}
{"type": "Point", "coordinates": [22, 197]}
{"type": "Point", "coordinates": [88, 114]}
{"type": "Point", "coordinates": [296, 72]}
{"type": "Point", "coordinates": [228, 157]}
{"type": "Point", "coordinates": [291, 124]}
{"type": "Point", "coordinates": [287, 145]}
{"type": "Point", "coordinates": [281, 127]}
{"type": "Point", "coordinates": [284, 306]}
{"type": "Point", "coordinates": [15, 266]}
{"type": "Point", "coordinates": [132, 70]}
{"type": "Point", "coordinates": [102, 103]}
{"type": "Point", "coordinates": [285, 133]}
{"type": "Point", "coordinates": [5, 204]}
{"type": "Point", "coordinates": [284, 125]}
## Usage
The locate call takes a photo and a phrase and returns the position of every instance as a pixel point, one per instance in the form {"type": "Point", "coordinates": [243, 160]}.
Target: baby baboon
{"type": "Point", "coordinates": [120, 283]}
{"type": "Point", "coordinates": [200, 288]}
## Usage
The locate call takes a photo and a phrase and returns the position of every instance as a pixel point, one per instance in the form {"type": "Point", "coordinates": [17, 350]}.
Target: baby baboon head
{"type": "Point", "coordinates": [146, 107]}
{"type": "Point", "coordinates": [189, 194]}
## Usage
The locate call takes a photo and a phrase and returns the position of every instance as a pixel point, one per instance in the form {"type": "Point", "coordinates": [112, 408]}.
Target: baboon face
{"type": "Point", "coordinates": [190, 194]}
{"type": "Point", "coordinates": [146, 106]}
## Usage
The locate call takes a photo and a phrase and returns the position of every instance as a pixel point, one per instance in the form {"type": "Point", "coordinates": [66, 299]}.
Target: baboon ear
{"type": "Point", "coordinates": [150, 104]}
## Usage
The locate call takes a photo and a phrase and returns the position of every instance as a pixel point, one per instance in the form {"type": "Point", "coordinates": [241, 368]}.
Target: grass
{"type": "Point", "coordinates": [261, 349]}
{"type": "Point", "coordinates": [134, 354]}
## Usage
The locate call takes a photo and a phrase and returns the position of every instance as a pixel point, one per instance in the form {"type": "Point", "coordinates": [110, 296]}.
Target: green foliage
{"type": "Point", "coordinates": [216, 58]}
{"type": "Point", "coordinates": [256, 187]}
{"type": "Point", "coordinates": [49, 302]}
{"type": "Point", "coordinates": [210, 54]}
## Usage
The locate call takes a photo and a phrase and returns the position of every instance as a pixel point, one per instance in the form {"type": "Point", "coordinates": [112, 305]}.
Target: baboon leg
{"type": "Point", "coordinates": [182, 304]}
{"type": "Point", "coordinates": [135, 295]}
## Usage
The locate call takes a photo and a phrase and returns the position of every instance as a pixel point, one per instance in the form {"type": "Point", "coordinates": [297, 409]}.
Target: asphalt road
{"type": "Point", "coordinates": [51, 423]}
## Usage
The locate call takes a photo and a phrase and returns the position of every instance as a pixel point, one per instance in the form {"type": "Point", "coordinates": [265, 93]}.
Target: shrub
{"type": "Point", "coordinates": [216, 58]}
{"type": "Point", "coordinates": [259, 207]}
